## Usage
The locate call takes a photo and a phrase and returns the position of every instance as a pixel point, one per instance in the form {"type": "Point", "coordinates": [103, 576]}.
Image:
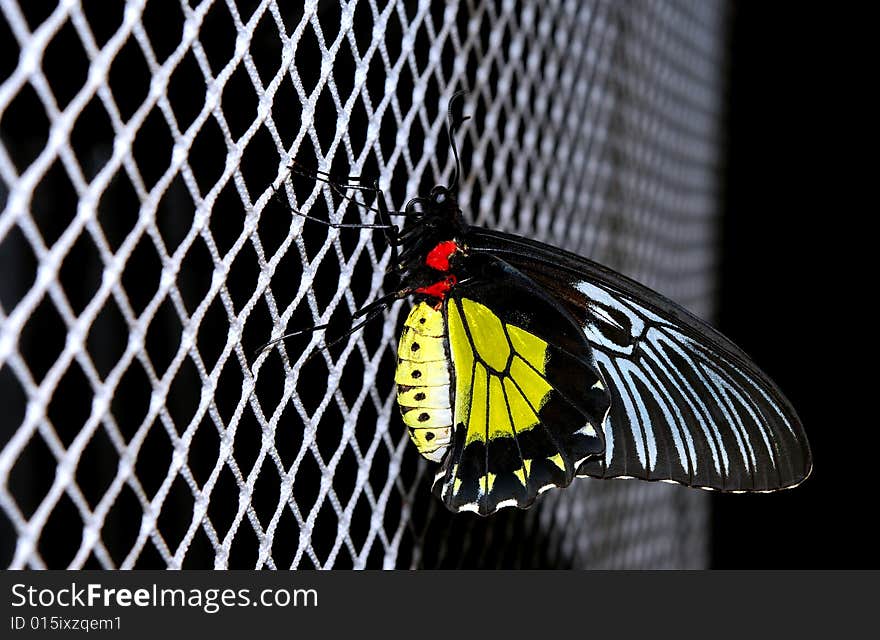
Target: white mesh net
{"type": "Point", "coordinates": [144, 261]}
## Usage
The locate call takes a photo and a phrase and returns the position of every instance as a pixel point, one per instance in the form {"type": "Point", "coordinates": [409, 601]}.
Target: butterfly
{"type": "Point", "coordinates": [522, 366]}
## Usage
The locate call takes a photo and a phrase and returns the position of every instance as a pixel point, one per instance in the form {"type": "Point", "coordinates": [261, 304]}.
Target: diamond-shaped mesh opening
{"type": "Point", "coordinates": [145, 260]}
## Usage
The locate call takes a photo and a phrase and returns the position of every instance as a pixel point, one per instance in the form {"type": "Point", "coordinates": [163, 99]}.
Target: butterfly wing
{"type": "Point", "coordinates": [687, 405]}
{"type": "Point", "coordinates": [529, 401]}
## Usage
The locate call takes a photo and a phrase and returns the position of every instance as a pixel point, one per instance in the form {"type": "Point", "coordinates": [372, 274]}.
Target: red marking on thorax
{"type": "Point", "coordinates": [438, 257]}
{"type": "Point", "coordinates": [439, 289]}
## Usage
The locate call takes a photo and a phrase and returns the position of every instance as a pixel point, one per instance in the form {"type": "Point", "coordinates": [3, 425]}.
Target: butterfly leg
{"type": "Point", "coordinates": [391, 231]}
{"type": "Point", "coordinates": [340, 185]}
{"type": "Point", "coordinates": [333, 225]}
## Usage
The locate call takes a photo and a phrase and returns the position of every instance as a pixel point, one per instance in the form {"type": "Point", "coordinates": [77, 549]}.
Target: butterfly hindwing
{"type": "Point", "coordinates": [528, 399]}
{"type": "Point", "coordinates": [687, 405]}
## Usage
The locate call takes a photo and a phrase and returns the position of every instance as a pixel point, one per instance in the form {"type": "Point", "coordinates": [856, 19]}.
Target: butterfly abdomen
{"type": "Point", "coordinates": [423, 381]}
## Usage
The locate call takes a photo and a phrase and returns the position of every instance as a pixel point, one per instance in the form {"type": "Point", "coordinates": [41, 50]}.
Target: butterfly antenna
{"type": "Point", "coordinates": [453, 124]}
{"type": "Point", "coordinates": [368, 313]}
{"type": "Point", "coordinates": [337, 185]}
{"type": "Point", "coordinates": [373, 314]}
{"type": "Point", "coordinates": [292, 334]}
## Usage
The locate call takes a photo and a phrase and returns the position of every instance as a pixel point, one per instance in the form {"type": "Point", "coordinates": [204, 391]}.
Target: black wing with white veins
{"type": "Point", "coordinates": [687, 405]}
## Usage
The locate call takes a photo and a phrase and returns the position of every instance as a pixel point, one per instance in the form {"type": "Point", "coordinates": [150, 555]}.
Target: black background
{"type": "Point", "coordinates": [794, 293]}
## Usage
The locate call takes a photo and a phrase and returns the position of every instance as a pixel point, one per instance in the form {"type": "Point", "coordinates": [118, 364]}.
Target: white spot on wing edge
{"type": "Point", "coordinates": [584, 459]}
{"type": "Point", "coordinates": [586, 430]}
{"type": "Point", "coordinates": [470, 506]}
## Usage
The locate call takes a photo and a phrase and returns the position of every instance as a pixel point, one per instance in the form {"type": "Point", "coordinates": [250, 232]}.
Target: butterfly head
{"type": "Point", "coordinates": [441, 207]}
{"type": "Point", "coordinates": [440, 196]}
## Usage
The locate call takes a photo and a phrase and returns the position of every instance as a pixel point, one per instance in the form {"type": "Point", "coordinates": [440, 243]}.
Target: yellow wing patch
{"type": "Point", "coordinates": [477, 416]}
{"type": "Point", "coordinates": [499, 373]}
{"type": "Point", "coordinates": [558, 461]}
{"type": "Point", "coordinates": [532, 384]}
{"type": "Point", "coordinates": [499, 417]}
{"type": "Point", "coordinates": [487, 334]}
{"type": "Point", "coordinates": [463, 361]}
{"type": "Point", "coordinates": [531, 348]}
{"type": "Point", "coordinates": [523, 473]}
{"type": "Point", "coordinates": [524, 417]}
{"type": "Point", "coordinates": [514, 434]}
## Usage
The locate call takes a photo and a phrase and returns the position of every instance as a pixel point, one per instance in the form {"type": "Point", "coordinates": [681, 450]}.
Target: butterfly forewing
{"type": "Point", "coordinates": [687, 405]}
{"type": "Point", "coordinates": [529, 401]}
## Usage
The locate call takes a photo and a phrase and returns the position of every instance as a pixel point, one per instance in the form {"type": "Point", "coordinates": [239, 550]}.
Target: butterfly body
{"type": "Point", "coordinates": [423, 383]}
